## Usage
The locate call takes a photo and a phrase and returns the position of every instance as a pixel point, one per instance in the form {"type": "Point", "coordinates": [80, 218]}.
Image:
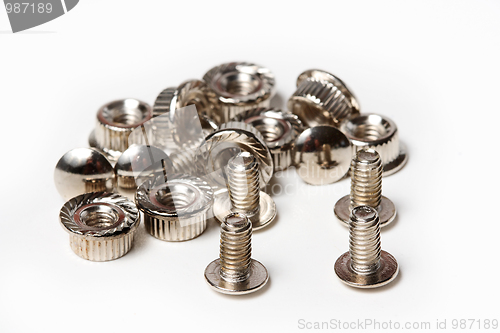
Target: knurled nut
{"type": "Point", "coordinates": [323, 97]}
{"type": "Point", "coordinates": [239, 135]}
{"type": "Point", "coordinates": [279, 133]}
{"type": "Point", "coordinates": [239, 86]}
{"type": "Point", "coordinates": [101, 225]}
{"type": "Point", "coordinates": [175, 209]}
{"type": "Point", "coordinates": [380, 133]}
{"type": "Point", "coordinates": [115, 121]}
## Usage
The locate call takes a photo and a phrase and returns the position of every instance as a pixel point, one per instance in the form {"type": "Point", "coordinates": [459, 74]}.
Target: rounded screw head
{"type": "Point", "coordinates": [386, 210]}
{"type": "Point", "coordinates": [256, 280]}
{"type": "Point", "coordinates": [386, 273]}
{"type": "Point", "coordinates": [83, 170]}
{"type": "Point", "coordinates": [265, 215]}
{"type": "Point", "coordinates": [322, 155]}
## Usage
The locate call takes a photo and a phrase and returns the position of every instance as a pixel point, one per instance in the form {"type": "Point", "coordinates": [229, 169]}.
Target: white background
{"type": "Point", "coordinates": [433, 67]}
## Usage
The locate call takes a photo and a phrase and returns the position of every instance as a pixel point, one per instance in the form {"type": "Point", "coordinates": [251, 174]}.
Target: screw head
{"type": "Point", "coordinates": [386, 273]}
{"type": "Point", "coordinates": [264, 217]}
{"type": "Point", "coordinates": [256, 280]}
{"type": "Point", "coordinates": [386, 211]}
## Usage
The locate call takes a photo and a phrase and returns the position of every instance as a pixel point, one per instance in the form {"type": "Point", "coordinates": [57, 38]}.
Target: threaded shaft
{"type": "Point", "coordinates": [364, 240]}
{"type": "Point", "coordinates": [366, 179]}
{"type": "Point", "coordinates": [235, 248]}
{"type": "Point", "coordinates": [243, 183]}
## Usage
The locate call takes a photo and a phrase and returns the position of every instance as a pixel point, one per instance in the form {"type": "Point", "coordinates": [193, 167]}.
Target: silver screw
{"type": "Point", "coordinates": [244, 194]}
{"type": "Point", "coordinates": [365, 265]}
{"type": "Point", "coordinates": [235, 272]}
{"type": "Point", "coordinates": [366, 189]}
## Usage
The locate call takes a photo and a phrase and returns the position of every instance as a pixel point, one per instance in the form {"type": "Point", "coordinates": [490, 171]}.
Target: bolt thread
{"type": "Point", "coordinates": [235, 248]}
{"type": "Point", "coordinates": [243, 183]}
{"type": "Point", "coordinates": [364, 240]}
{"type": "Point", "coordinates": [366, 179]}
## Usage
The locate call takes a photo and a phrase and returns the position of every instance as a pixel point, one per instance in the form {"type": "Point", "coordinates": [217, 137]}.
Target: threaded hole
{"type": "Point", "coordinates": [369, 128]}
{"type": "Point", "coordinates": [271, 129]}
{"type": "Point", "coordinates": [126, 113]}
{"type": "Point", "coordinates": [176, 197]}
{"type": "Point", "coordinates": [239, 84]}
{"type": "Point", "coordinates": [99, 216]}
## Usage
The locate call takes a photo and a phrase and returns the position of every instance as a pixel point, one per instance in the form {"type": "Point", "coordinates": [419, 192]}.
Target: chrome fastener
{"type": "Point", "coordinates": [174, 206]}
{"type": "Point", "coordinates": [322, 98]}
{"type": "Point", "coordinates": [366, 189]}
{"type": "Point", "coordinates": [279, 129]}
{"type": "Point", "coordinates": [83, 170]}
{"type": "Point", "coordinates": [101, 225]}
{"type": "Point", "coordinates": [365, 265]}
{"type": "Point", "coordinates": [115, 121]}
{"type": "Point", "coordinates": [239, 86]}
{"type": "Point", "coordinates": [235, 272]}
{"type": "Point", "coordinates": [244, 194]}
{"type": "Point", "coordinates": [380, 133]}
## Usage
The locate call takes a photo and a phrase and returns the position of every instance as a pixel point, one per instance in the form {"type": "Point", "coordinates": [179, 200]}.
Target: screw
{"type": "Point", "coordinates": [244, 194]}
{"type": "Point", "coordinates": [366, 189]}
{"type": "Point", "coordinates": [235, 272]}
{"type": "Point", "coordinates": [365, 265]}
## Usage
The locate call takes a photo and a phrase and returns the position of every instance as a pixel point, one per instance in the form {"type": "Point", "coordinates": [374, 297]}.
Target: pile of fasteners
{"type": "Point", "coordinates": [208, 148]}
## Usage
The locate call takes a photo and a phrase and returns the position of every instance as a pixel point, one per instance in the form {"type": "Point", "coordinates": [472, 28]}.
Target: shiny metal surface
{"type": "Point", "coordinates": [138, 160]}
{"type": "Point", "coordinates": [366, 189]}
{"type": "Point", "coordinates": [174, 206]}
{"type": "Point", "coordinates": [115, 122]}
{"type": "Point", "coordinates": [279, 129]}
{"type": "Point", "coordinates": [244, 194]}
{"type": "Point", "coordinates": [322, 155]}
{"type": "Point", "coordinates": [83, 170]}
{"type": "Point", "coordinates": [235, 272]}
{"type": "Point", "coordinates": [101, 225]}
{"type": "Point", "coordinates": [322, 98]}
{"type": "Point", "coordinates": [365, 265]}
{"type": "Point", "coordinates": [219, 147]}
{"type": "Point", "coordinates": [239, 86]}
{"type": "Point", "coordinates": [379, 133]}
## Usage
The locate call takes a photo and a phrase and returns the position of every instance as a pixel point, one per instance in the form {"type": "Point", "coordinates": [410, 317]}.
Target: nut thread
{"type": "Point", "coordinates": [235, 248]}
{"type": "Point", "coordinates": [366, 179]}
{"type": "Point", "coordinates": [101, 250]}
{"type": "Point", "coordinates": [364, 240]}
{"type": "Point", "coordinates": [243, 183]}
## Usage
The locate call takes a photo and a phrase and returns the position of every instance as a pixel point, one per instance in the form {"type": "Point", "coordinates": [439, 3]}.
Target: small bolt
{"type": "Point", "coordinates": [244, 194]}
{"type": "Point", "coordinates": [365, 265]}
{"type": "Point", "coordinates": [235, 272]}
{"type": "Point", "coordinates": [366, 189]}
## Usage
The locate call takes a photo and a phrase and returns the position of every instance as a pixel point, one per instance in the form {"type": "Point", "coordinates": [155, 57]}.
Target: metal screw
{"type": "Point", "coordinates": [244, 194]}
{"type": "Point", "coordinates": [366, 189]}
{"type": "Point", "coordinates": [235, 272]}
{"type": "Point", "coordinates": [365, 265]}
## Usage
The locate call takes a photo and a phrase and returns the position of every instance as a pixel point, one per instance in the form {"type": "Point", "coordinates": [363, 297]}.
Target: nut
{"type": "Point", "coordinates": [101, 225]}
{"type": "Point", "coordinates": [239, 86]}
{"type": "Point", "coordinates": [279, 129]}
{"type": "Point", "coordinates": [379, 133]}
{"type": "Point", "coordinates": [219, 147]}
{"type": "Point", "coordinates": [83, 170]}
{"type": "Point", "coordinates": [322, 98]}
{"type": "Point", "coordinates": [175, 208]}
{"type": "Point", "coordinates": [115, 121]}
{"type": "Point", "coordinates": [322, 155]}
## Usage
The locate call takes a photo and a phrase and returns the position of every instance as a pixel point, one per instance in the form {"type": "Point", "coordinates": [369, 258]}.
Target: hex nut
{"type": "Point", "coordinates": [101, 225]}
{"type": "Point", "coordinates": [279, 129]}
{"type": "Point", "coordinates": [379, 133]}
{"type": "Point", "coordinates": [322, 98]}
{"type": "Point", "coordinates": [175, 206]}
{"type": "Point", "coordinates": [239, 86]}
